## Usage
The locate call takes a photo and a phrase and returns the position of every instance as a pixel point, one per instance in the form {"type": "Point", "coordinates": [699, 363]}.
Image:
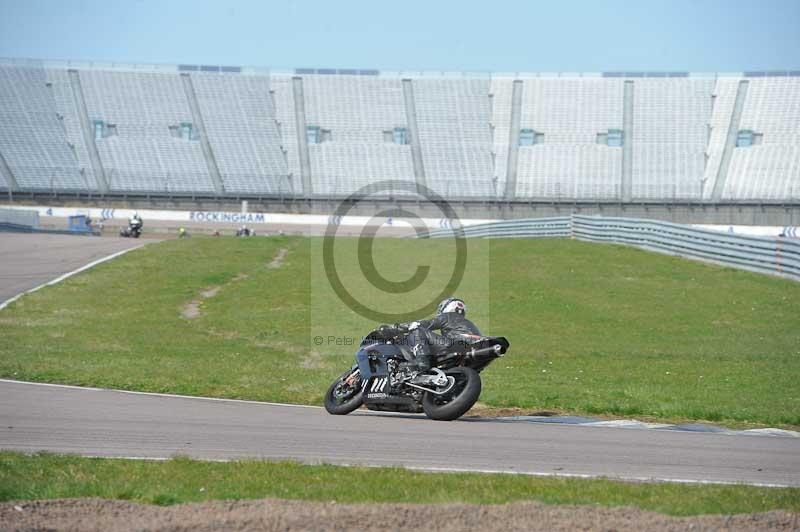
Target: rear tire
{"type": "Point", "coordinates": [349, 404]}
{"type": "Point", "coordinates": [467, 389]}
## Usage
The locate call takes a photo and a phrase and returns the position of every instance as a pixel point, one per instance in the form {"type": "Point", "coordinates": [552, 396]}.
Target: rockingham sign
{"type": "Point", "coordinates": [211, 217]}
{"type": "Point", "coordinates": [233, 217]}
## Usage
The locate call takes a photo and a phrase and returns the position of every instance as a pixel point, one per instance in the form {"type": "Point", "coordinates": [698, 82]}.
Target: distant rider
{"type": "Point", "coordinates": [450, 320]}
{"type": "Point", "coordinates": [135, 221]}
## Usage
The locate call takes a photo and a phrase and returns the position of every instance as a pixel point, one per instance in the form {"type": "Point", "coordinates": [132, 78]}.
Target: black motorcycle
{"type": "Point", "coordinates": [134, 230]}
{"type": "Point", "coordinates": [385, 377]}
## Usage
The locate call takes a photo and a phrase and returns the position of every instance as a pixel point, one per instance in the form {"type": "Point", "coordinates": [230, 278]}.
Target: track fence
{"type": "Point", "coordinates": [771, 255]}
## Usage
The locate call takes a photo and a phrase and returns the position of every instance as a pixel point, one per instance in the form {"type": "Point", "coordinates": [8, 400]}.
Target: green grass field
{"type": "Point", "coordinates": [183, 480]}
{"type": "Point", "coordinates": [597, 329]}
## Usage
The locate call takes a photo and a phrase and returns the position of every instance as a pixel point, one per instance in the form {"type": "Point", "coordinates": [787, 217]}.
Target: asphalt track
{"type": "Point", "coordinates": [29, 260]}
{"type": "Point", "coordinates": [96, 422]}
{"type": "Point", "coordinates": [36, 417]}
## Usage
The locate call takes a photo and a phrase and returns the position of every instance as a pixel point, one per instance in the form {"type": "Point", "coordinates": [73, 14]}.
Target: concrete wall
{"type": "Point", "coordinates": [694, 213]}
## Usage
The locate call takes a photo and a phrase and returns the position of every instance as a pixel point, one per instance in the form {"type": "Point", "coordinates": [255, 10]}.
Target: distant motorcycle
{"type": "Point", "coordinates": [134, 229]}
{"type": "Point", "coordinates": [384, 377]}
{"type": "Point", "coordinates": [245, 231]}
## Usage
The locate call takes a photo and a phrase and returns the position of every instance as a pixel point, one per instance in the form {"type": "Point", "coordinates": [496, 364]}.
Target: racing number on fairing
{"type": "Point", "coordinates": [379, 384]}
{"type": "Point", "coordinates": [378, 388]}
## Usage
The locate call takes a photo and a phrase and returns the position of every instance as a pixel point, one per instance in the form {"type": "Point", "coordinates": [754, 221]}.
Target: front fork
{"type": "Point", "coordinates": [350, 380]}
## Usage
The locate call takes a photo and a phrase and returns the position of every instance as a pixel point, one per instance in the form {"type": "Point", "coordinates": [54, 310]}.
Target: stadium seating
{"type": "Point", "coordinates": [670, 132]}
{"type": "Point", "coordinates": [65, 107]}
{"type": "Point", "coordinates": [453, 118]}
{"type": "Point", "coordinates": [143, 155]}
{"type": "Point", "coordinates": [287, 125]}
{"type": "Point", "coordinates": [770, 170]}
{"type": "Point", "coordinates": [502, 91]}
{"type": "Point", "coordinates": [239, 117]}
{"type": "Point", "coordinates": [356, 111]}
{"type": "Point", "coordinates": [570, 113]}
{"type": "Point", "coordinates": [204, 130]}
{"type": "Point", "coordinates": [724, 99]}
{"type": "Point", "coordinates": [32, 135]}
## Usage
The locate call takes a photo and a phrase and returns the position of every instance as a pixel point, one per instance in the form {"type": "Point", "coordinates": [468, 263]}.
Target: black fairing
{"type": "Point", "coordinates": [372, 358]}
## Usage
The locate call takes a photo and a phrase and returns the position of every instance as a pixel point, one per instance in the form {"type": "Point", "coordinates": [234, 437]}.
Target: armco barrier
{"type": "Point", "coordinates": [777, 256]}
{"type": "Point", "coordinates": [20, 217]}
{"type": "Point", "coordinates": [771, 255]}
{"type": "Point", "coordinates": [525, 228]}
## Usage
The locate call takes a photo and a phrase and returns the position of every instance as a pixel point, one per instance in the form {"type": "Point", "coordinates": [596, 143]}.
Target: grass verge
{"type": "Point", "coordinates": [594, 328]}
{"type": "Point", "coordinates": [46, 476]}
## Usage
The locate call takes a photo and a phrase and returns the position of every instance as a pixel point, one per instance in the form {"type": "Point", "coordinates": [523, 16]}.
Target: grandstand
{"type": "Point", "coordinates": [232, 132]}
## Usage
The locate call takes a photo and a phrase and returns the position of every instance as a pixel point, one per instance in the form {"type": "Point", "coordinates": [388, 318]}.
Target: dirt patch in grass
{"type": "Point", "coordinates": [313, 360]}
{"type": "Point", "coordinates": [211, 292]}
{"type": "Point", "coordinates": [271, 514]}
{"type": "Point", "coordinates": [280, 345]}
{"type": "Point", "coordinates": [191, 309]}
{"type": "Point", "coordinates": [277, 260]}
{"type": "Point", "coordinates": [483, 410]}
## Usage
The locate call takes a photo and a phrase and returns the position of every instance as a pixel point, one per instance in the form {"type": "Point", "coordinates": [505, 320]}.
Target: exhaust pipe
{"type": "Point", "coordinates": [493, 350]}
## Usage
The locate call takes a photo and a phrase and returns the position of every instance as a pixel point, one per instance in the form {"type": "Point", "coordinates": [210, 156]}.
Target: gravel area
{"type": "Point", "coordinates": [270, 514]}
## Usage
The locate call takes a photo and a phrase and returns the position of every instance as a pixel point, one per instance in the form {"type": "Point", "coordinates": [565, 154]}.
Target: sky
{"type": "Point", "coordinates": [430, 35]}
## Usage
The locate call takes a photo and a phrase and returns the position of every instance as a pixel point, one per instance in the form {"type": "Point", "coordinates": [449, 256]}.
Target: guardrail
{"type": "Point", "coordinates": [21, 217]}
{"type": "Point", "coordinates": [770, 255]}
{"type": "Point", "coordinates": [559, 226]}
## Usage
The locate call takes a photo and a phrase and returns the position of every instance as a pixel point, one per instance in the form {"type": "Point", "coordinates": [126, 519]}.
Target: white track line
{"type": "Point", "coordinates": [433, 469]}
{"type": "Point", "coordinates": [590, 476]}
{"type": "Point", "coordinates": [57, 280]}
{"type": "Point", "coordinates": [157, 394]}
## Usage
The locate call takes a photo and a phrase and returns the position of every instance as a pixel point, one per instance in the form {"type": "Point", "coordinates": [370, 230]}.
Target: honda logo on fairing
{"type": "Point", "coordinates": [379, 384]}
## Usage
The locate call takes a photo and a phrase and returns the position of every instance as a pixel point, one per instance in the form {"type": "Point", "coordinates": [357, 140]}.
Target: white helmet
{"type": "Point", "coordinates": [452, 304]}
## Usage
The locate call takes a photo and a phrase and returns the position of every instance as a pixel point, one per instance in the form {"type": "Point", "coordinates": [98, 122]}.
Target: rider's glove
{"type": "Point", "coordinates": [414, 325]}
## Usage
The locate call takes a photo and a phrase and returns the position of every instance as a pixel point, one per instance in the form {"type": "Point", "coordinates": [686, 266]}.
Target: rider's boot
{"type": "Point", "coordinates": [424, 362]}
{"type": "Point", "coordinates": [422, 354]}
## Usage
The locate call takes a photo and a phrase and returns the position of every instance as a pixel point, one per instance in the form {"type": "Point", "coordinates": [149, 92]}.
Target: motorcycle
{"type": "Point", "coordinates": [134, 230]}
{"type": "Point", "coordinates": [385, 378]}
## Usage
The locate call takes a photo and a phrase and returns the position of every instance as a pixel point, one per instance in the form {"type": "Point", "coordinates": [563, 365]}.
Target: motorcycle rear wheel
{"type": "Point", "coordinates": [455, 403]}
{"type": "Point", "coordinates": [351, 402]}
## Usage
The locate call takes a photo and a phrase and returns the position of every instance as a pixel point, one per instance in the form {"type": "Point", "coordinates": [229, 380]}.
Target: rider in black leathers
{"type": "Point", "coordinates": [450, 320]}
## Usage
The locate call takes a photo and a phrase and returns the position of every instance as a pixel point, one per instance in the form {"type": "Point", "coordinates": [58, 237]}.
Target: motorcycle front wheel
{"type": "Point", "coordinates": [465, 390]}
{"type": "Point", "coordinates": [341, 397]}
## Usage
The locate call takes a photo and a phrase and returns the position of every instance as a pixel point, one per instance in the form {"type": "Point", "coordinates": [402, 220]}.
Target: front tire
{"type": "Point", "coordinates": [456, 403]}
{"type": "Point", "coordinates": [339, 400]}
